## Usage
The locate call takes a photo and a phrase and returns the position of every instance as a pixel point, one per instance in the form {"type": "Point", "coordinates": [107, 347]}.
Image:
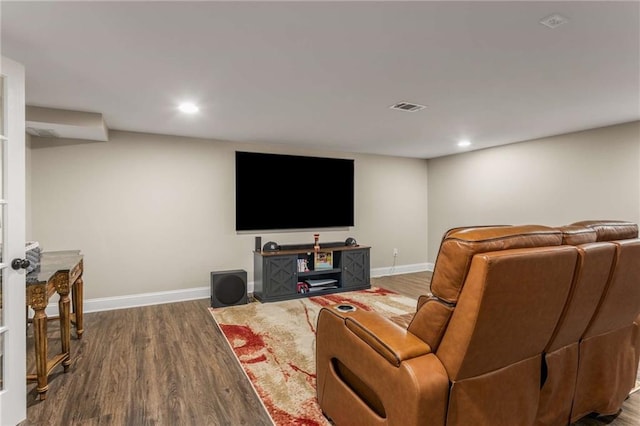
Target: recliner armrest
{"type": "Point", "coordinates": [422, 300]}
{"type": "Point", "coordinates": [392, 342]}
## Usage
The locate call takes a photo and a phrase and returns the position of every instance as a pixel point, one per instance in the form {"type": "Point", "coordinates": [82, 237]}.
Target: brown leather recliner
{"type": "Point", "coordinates": [473, 352]}
{"type": "Point", "coordinates": [608, 360]}
{"type": "Point", "coordinates": [562, 351]}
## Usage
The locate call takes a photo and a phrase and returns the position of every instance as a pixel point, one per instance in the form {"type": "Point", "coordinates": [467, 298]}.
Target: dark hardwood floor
{"type": "Point", "coordinates": [170, 365]}
{"type": "Point", "coordinates": [157, 365]}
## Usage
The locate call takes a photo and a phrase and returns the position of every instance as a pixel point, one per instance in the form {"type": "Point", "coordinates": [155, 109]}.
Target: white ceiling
{"type": "Point", "coordinates": [323, 74]}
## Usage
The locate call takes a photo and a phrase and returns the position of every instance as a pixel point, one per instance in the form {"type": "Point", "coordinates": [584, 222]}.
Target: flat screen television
{"type": "Point", "coordinates": [285, 192]}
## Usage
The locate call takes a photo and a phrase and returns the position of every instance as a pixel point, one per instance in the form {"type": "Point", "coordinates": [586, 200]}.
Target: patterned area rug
{"type": "Point", "coordinates": [275, 345]}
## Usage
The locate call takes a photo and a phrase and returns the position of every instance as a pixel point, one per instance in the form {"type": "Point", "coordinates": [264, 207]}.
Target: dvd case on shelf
{"type": "Point", "coordinates": [323, 260]}
{"type": "Point", "coordinates": [303, 265]}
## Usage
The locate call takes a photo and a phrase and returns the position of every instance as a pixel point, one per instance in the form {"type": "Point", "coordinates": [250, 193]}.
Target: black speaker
{"type": "Point", "coordinates": [258, 243]}
{"type": "Point", "coordinates": [228, 288]}
{"type": "Point", "coordinates": [270, 246]}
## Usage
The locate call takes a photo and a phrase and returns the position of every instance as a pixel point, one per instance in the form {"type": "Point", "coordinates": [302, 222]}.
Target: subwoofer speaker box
{"type": "Point", "coordinates": [228, 288]}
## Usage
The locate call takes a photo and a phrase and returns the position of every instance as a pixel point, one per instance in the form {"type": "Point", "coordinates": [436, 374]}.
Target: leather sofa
{"type": "Point", "coordinates": [525, 325]}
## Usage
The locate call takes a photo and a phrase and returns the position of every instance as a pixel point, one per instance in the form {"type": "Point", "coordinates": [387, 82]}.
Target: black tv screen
{"type": "Point", "coordinates": [275, 191]}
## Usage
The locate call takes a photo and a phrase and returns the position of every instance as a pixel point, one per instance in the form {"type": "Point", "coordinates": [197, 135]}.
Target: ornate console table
{"type": "Point", "coordinates": [59, 272]}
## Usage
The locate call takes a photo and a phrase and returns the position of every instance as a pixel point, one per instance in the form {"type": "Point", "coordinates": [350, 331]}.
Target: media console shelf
{"type": "Point", "coordinates": [277, 275]}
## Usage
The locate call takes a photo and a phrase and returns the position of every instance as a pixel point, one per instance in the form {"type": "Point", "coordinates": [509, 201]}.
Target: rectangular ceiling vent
{"type": "Point", "coordinates": [43, 133]}
{"type": "Point", "coordinates": [407, 106]}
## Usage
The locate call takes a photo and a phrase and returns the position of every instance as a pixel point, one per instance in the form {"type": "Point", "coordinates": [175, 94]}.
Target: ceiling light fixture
{"type": "Point", "coordinates": [464, 144]}
{"type": "Point", "coordinates": [554, 21]}
{"type": "Point", "coordinates": [188, 107]}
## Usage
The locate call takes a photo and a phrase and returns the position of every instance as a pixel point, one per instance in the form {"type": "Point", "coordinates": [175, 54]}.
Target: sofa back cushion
{"type": "Point", "coordinates": [611, 230]}
{"type": "Point", "coordinates": [459, 246]}
{"type": "Point", "coordinates": [574, 235]}
{"type": "Point", "coordinates": [589, 281]}
{"type": "Point", "coordinates": [608, 360]}
{"type": "Point", "coordinates": [457, 249]}
{"type": "Point", "coordinates": [620, 305]}
{"type": "Point", "coordinates": [510, 305]}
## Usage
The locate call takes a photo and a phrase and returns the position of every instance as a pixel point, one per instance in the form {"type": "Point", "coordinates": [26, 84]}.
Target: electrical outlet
{"type": "Point", "coordinates": [395, 252]}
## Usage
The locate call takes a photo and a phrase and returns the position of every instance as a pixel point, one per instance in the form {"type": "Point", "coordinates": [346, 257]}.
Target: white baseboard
{"type": "Point", "coordinates": [137, 300]}
{"type": "Point", "coordinates": [401, 269]}
{"type": "Point", "coordinates": [160, 297]}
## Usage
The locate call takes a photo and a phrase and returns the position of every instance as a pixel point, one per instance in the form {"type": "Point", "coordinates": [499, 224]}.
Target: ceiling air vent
{"type": "Point", "coordinates": [43, 133]}
{"type": "Point", "coordinates": [554, 21]}
{"type": "Point", "coordinates": [407, 106]}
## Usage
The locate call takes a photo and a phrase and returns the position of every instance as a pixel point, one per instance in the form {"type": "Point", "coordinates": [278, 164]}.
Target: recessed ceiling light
{"type": "Point", "coordinates": [188, 108]}
{"type": "Point", "coordinates": [554, 21]}
{"type": "Point", "coordinates": [463, 144]}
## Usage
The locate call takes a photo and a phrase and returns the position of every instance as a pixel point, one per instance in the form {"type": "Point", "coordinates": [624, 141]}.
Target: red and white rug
{"type": "Point", "coordinates": [275, 345]}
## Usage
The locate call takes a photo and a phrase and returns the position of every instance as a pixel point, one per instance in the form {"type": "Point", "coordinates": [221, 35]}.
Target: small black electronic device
{"type": "Point", "coordinates": [270, 246]}
{"type": "Point", "coordinates": [228, 288]}
{"type": "Point", "coordinates": [351, 242]}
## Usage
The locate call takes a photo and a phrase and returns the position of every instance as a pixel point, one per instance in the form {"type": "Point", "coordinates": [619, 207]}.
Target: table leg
{"type": "Point", "coordinates": [62, 287]}
{"type": "Point", "coordinates": [40, 341]}
{"type": "Point", "coordinates": [65, 329]}
{"type": "Point", "coordinates": [77, 294]}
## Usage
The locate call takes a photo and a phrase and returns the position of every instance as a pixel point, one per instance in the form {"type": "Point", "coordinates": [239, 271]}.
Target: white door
{"type": "Point", "coordinates": [13, 398]}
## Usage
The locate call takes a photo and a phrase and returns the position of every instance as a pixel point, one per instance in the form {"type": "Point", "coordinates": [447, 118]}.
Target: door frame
{"type": "Point", "coordinates": [13, 396]}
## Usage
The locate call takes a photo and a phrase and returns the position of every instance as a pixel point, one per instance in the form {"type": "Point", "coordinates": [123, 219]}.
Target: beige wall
{"type": "Point", "coordinates": [156, 213]}
{"type": "Point", "coordinates": [553, 181]}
